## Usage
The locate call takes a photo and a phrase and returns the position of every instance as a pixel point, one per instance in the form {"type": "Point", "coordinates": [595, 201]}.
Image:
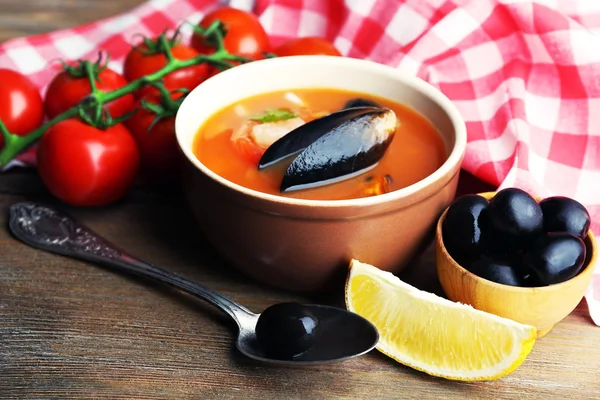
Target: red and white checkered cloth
{"type": "Point", "coordinates": [525, 74]}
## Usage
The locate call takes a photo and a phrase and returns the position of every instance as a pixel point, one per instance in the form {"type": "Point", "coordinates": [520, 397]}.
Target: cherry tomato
{"type": "Point", "coordinates": [86, 166]}
{"type": "Point", "coordinates": [307, 46]}
{"type": "Point", "coordinates": [66, 90]}
{"type": "Point", "coordinates": [245, 36]}
{"type": "Point", "coordinates": [137, 64]}
{"type": "Point", "coordinates": [159, 151]}
{"type": "Point", "coordinates": [21, 106]}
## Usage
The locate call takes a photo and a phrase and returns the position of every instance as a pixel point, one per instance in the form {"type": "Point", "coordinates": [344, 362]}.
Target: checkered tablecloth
{"type": "Point", "coordinates": [525, 74]}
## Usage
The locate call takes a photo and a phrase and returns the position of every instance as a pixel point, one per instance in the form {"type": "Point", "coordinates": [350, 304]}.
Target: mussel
{"type": "Point", "coordinates": [358, 102]}
{"type": "Point", "coordinates": [343, 151]}
{"type": "Point", "coordinates": [300, 138]}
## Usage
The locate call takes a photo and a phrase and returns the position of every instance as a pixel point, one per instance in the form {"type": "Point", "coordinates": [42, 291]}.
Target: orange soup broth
{"type": "Point", "coordinates": [416, 151]}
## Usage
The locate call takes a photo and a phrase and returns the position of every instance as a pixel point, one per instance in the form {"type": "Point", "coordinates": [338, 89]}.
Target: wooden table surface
{"type": "Point", "coordinates": [72, 330]}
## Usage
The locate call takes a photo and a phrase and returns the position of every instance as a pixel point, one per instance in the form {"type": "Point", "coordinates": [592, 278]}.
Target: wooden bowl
{"type": "Point", "coordinates": [541, 307]}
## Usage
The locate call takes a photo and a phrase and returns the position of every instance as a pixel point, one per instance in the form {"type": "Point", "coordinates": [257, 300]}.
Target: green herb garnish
{"type": "Point", "coordinates": [273, 116]}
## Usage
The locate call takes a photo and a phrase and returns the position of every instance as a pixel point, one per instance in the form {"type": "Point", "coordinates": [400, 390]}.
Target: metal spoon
{"type": "Point", "coordinates": [342, 334]}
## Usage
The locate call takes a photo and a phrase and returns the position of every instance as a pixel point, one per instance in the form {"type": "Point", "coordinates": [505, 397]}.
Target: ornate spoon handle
{"type": "Point", "coordinates": [48, 229]}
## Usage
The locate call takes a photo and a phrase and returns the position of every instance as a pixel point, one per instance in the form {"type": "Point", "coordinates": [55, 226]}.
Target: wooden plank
{"type": "Point", "coordinates": [21, 18]}
{"type": "Point", "coordinates": [73, 330]}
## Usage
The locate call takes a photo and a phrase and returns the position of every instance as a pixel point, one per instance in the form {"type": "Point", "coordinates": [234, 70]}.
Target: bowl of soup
{"type": "Point", "coordinates": [295, 165]}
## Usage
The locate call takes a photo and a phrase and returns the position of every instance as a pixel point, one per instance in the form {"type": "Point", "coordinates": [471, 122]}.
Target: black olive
{"type": "Point", "coordinates": [287, 330]}
{"type": "Point", "coordinates": [497, 269]}
{"type": "Point", "coordinates": [530, 280]}
{"type": "Point", "coordinates": [360, 103]}
{"type": "Point", "coordinates": [464, 226]}
{"type": "Point", "coordinates": [562, 214]}
{"type": "Point", "coordinates": [515, 217]}
{"type": "Point", "coordinates": [555, 257]}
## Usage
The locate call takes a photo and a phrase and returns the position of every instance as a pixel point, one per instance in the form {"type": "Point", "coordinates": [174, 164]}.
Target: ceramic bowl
{"type": "Point", "coordinates": [541, 307]}
{"type": "Point", "coordinates": [306, 245]}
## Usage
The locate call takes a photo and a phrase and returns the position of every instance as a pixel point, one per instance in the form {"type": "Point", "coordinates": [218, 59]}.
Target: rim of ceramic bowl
{"type": "Point", "coordinates": [582, 275]}
{"type": "Point", "coordinates": [453, 160]}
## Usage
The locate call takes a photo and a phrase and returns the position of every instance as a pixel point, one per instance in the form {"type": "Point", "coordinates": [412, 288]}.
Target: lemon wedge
{"type": "Point", "coordinates": [435, 335]}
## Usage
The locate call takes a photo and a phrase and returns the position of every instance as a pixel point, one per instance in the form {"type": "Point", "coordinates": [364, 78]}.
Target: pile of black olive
{"type": "Point", "coordinates": [514, 240]}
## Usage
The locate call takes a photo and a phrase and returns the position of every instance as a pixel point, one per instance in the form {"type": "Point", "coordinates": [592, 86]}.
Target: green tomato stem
{"type": "Point", "coordinates": [14, 144]}
{"type": "Point", "coordinates": [165, 47]}
{"type": "Point", "coordinates": [91, 75]}
{"type": "Point", "coordinates": [6, 135]}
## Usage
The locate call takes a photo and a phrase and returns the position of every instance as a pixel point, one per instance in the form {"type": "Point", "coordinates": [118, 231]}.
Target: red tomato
{"type": "Point", "coordinates": [245, 35]}
{"type": "Point", "coordinates": [65, 91]}
{"type": "Point", "coordinates": [137, 64]}
{"type": "Point", "coordinates": [159, 151]}
{"type": "Point", "coordinates": [85, 166]}
{"type": "Point", "coordinates": [307, 46]}
{"type": "Point", "coordinates": [21, 106]}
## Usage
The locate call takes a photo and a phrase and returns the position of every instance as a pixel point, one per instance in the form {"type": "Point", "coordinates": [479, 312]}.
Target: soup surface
{"type": "Point", "coordinates": [416, 150]}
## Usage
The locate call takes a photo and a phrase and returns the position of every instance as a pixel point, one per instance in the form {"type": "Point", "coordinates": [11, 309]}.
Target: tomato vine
{"type": "Point", "coordinates": [90, 109]}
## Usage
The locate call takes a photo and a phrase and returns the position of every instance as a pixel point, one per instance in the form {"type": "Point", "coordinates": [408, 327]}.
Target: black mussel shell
{"type": "Point", "coordinates": [287, 330]}
{"type": "Point", "coordinates": [555, 257]}
{"type": "Point", "coordinates": [300, 138]}
{"type": "Point", "coordinates": [347, 150]}
{"type": "Point", "coordinates": [563, 214]}
{"type": "Point", "coordinates": [358, 102]}
{"type": "Point", "coordinates": [516, 217]}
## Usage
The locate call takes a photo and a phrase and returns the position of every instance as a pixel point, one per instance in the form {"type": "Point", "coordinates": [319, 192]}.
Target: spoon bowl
{"type": "Point", "coordinates": [342, 334]}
